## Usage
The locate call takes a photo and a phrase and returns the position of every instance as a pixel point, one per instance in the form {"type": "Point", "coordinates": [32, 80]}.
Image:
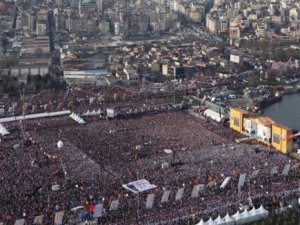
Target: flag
{"type": "Point", "coordinates": [90, 207]}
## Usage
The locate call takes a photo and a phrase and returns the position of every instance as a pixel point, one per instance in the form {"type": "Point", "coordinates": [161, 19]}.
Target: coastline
{"type": "Point", "coordinates": [275, 99]}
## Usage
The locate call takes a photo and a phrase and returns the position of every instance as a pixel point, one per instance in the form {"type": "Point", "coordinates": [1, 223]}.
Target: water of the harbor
{"type": "Point", "coordinates": [286, 112]}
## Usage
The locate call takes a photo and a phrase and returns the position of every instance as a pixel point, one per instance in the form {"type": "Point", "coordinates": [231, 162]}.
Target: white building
{"type": "Point", "coordinates": [85, 77]}
{"type": "Point", "coordinates": [41, 28]}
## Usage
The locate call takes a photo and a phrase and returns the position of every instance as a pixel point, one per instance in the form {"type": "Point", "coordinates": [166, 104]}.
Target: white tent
{"type": "Point", "coordinates": [87, 113]}
{"type": "Point", "coordinates": [201, 222]}
{"type": "Point", "coordinates": [168, 151]}
{"type": "Point", "coordinates": [244, 217]}
{"type": "Point", "coordinates": [236, 216]}
{"type": "Point", "coordinates": [150, 201]}
{"type": "Point", "coordinates": [262, 212]}
{"type": "Point", "coordinates": [213, 115]}
{"type": "Point", "coordinates": [77, 118]}
{"type": "Point", "coordinates": [210, 222]}
{"type": "Point", "coordinates": [253, 215]}
{"type": "Point", "coordinates": [219, 220]}
{"type": "Point", "coordinates": [3, 130]}
{"type": "Point", "coordinates": [229, 220]}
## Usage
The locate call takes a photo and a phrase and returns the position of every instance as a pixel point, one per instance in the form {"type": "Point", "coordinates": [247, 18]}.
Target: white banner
{"type": "Point", "coordinates": [225, 182]}
{"type": "Point", "coordinates": [139, 186]}
{"type": "Point", "coordinates": [110, 113]}
{"type": "Point", "coordinates": [255, 173]}
{"type": "Point", "coordinates": [274, 170]}
{"type": "Point", "coordinates": [286, 169]}
{"type": "Point", "coordinates": [150, 201]}
{"type": "Point", "coordinates": [58, 219]}
{"type": "Point", "coordinates": [195, 191]}
{"type": "Point", "coordinates": [114, 205]}
{"type": "Point", "coordinates": [38, 220]}
{"type": "Point", "coordinates": [98, 211]}
{"type": "Point", "coordinates": [20, 222]}
{"type": "Point", "coordinates": [242, 180]}
{"type": "Point", "coordinates": [179, 194]}
{"type": "Point", "coordinates": [165, 196]}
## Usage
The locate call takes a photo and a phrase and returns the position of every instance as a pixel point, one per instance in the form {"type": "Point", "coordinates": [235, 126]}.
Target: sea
{"type": "Point", "coordinates": [286, 112]}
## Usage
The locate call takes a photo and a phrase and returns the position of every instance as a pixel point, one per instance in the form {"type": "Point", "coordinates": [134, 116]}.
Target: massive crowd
{"type": "Point", "coordinates": [101, 155]}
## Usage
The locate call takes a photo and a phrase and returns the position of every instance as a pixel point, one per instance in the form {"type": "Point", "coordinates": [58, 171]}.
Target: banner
{"type": "Point", "coordinates": [179, 194]}
{"type": "Point", "coordinates": [114, 205]}
{"type": "Point", "coordinates": [20, 222]}
{"type": "Point", "coordinates": [139, 186]}
{"type": "Point", "coordinates": [38, 220]}
{"type": "Point", "coordinates": [286, 169]}
{"type": "Point", "coordinates": [225, 182]}
{"type": "Point", "coordinates": [255, 173]}
{"type": "Point", "coordinates": [165, 196]}
{"type": "Point", "coordinates": [150, 201]}
{"type": "Point", "coordinates": [58, 219]}
{"type": "Point", "coordinates": [242, 180]}
{"type": "Point", "coordinates": [196, 189]}
{"type": "Point", "coordinates": [274, 170]}
{"type": "Point", "coordinates": [98, 211]}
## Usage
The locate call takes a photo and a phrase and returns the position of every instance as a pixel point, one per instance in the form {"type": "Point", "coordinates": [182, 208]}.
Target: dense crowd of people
{"type": "Point", "coordinates": [99, 156]}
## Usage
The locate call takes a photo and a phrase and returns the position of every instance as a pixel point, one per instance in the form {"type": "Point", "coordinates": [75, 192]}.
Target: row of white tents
{"type": "Point", "coordinates": [3, 130]}
{"type": "Point", "coordinates": [77, 118]}
{"type": "Point", "coordinates": [34, 116]}
{"type": "Point", "coordinates": [238, 218]}
{"type": "Point", "coordinates": [92, 113]}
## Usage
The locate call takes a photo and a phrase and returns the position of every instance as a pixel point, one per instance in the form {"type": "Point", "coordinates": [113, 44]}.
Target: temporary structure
{"type": "Point", "coordinates": [3, 130]}
{"type": "Point", "coordinates": [236, 216]}
{"type": "Point", "coordinates": [262, 212]}
{"type": "Point", "coordinates": [229, 220]}
{"type": "Point", "coordinates": [244, 217]}
{"type": "Point", "coordinates": [253, 215]}
{"type": "Point", "coordinates": [210, 222]}
{"type": "Point", "coordinates": [201, 222]}
{"type": "Point", "coordinates": [219, 220]}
